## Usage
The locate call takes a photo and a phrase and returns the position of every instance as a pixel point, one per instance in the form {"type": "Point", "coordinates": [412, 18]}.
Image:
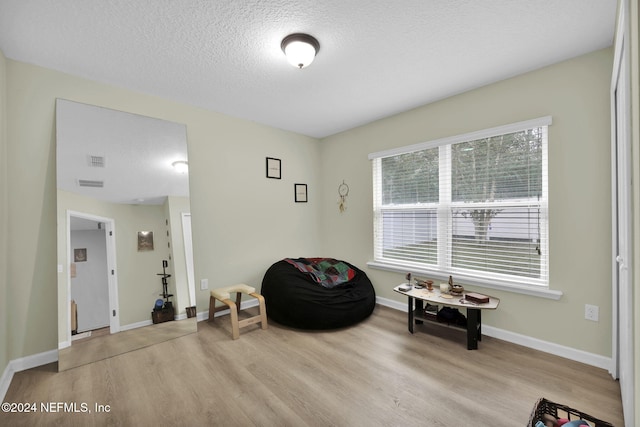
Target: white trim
{"type": "Point", "coordinates": [144, 323]}
{"type": "Point", "coordinates": [187, 237]}
{"type": "Point", "coordinates": [5, 381]}
{"type": "Point", "coordinates": [136, 325]}
{"type": "Point", "coordinates": [112, 279]}
{"type": "Point", "coordinates": [471, 136]}
{"type": "Point", "coordinates": [201, 316]}
{"type": "Point", "coordinates": [114, 305]}
{"type": "Point", "coordinates": [623, 357]}
{"type": "Point", "coordinates": [532, 290]}
{"type": "Point", "coordinates": [525, 341]}
{"type": "Point", "coordinates": [22, 364]}
{"type": "Point", "coordinates": [549, 347]}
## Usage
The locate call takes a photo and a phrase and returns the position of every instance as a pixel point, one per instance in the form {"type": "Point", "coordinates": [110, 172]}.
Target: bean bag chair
{"type": "Point", "coordinates": [317, 293]}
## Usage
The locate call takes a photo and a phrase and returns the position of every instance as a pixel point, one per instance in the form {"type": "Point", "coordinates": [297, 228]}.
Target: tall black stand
{"type": "Point", "coordinates": [166, 313]}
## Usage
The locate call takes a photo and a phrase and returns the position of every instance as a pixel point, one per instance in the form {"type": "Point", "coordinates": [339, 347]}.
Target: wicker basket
{"type": "Point", "coordinates": [544, 406]}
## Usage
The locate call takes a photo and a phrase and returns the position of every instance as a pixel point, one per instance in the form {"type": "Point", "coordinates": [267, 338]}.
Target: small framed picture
{"type": "Point", "coordinates": [273, 168]}
{"type": "Point", "coordinates": [300, 193]}
{"type": "Point", "coordinates": [145, 241]}
{"type": "Point", "coordinates": [80, 255]}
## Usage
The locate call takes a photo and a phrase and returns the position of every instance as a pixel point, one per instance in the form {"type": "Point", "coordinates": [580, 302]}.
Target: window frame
{"type": "Point", "coordinates": [532, 286]}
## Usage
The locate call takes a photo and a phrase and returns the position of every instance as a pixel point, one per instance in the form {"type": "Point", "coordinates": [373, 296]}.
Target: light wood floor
{"type": "Point", "coordinates": [105, 345]}
{"type": "Point", "coordinates": [371, 374]}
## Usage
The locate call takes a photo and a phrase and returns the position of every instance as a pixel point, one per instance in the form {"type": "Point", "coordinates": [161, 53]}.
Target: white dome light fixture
{"type": "Point", "coordinates": [180, 166]}
{"type": "Point", "coordinates": [300, 49]}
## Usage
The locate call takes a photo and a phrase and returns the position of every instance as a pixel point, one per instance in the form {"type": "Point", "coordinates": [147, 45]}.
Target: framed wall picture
{"type": "Point", "coordinates": [300, 193]}
{"type": "Point", "coordinates": [145, 241]}
{"type": "Point", "coordinates": [80, 255]}
{"type": "Point", "coordinates": [274, 168]}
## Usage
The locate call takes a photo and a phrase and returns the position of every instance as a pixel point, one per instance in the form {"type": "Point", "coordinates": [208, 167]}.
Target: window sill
{"type": "Point", "coordinates": [536, 291]}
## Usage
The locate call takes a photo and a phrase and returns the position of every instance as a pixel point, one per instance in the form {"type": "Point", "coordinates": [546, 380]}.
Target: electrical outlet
{"type": "Point", "coordinates": [591, 312]}
{"type": "Point", "coordinates": [204, 284]}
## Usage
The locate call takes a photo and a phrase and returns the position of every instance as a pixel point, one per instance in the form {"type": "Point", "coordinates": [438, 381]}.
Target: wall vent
{"type": "Point", "coordinates": [90, 183]}
{"type": "Point", "coordinates": [96, 161]}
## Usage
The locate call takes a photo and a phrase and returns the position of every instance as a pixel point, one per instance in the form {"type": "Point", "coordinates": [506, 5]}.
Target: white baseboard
{"type": "Point", "coordinates": [22, 364]}
{"type": "Point", "coordinates": [526, 341]}
{"type": "Point", "coordinates": [202, 315]}
{"type": "Point", "coordinates": [549, 347]}
{"type": "Point", "coordinates": [135, 325]}
{"type": "Point", "coordinates": [402, 306]}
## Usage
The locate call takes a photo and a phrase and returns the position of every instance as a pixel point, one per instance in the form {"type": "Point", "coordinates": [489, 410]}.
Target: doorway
{"type": "Point", "coordinates": [91, 284]}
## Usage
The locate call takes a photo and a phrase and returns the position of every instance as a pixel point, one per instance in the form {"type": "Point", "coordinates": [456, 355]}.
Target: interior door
{"type": "Point", "coordinates": [90, 281]}
{"type": "Point", "coordinates": [622, 351]}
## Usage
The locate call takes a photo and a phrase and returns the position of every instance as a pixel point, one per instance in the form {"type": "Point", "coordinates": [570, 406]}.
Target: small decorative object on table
{"type": "Point", "coordinates": [477, 298]}
{"type": "Point", "coordinates": [455, 289]}
{"type": "Point", "coordinates": [406, 286]}
{"type": "Point", "coordinates": [420, 284]}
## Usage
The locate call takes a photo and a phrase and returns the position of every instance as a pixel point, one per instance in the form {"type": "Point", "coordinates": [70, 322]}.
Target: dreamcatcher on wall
{"type": "Point", "coordinates": [343, 192]}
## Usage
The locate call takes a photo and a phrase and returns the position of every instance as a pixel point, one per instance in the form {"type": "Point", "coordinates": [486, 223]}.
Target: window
{"type": "Point", "coordinates": [474, 206]}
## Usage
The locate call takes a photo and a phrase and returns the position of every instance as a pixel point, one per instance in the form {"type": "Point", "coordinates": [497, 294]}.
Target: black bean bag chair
{"type": "Point", "coordinates": [295, 299]}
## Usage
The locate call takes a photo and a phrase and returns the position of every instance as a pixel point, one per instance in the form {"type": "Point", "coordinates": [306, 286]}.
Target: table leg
{"type": "Point", "coordinates": [410, 313]}
{"type": "Point", "coordinates": [473, 328]}
{"type": "Point", "coordinates": [419, 309]}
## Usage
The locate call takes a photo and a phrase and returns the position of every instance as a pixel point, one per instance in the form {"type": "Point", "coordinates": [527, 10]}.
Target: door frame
{"type": "Point", "coordinates": [188, 256]}
{"type": "Point", "coordinates": [622, 352]}
{"type": "Point", "coordinates": [110, 234]}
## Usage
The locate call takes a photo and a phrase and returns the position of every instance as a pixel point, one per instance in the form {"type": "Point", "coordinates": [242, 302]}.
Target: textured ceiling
{"type": "Point", "coordinates": [377, 57]}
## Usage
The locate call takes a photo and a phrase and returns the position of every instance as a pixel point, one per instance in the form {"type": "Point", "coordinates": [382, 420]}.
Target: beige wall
{"type": "Point", "coordinates": [242, 222]}
{"type": "Point", "coordinates": [4, 300]}
{"type": "Point", "coordinates": [576, 94]}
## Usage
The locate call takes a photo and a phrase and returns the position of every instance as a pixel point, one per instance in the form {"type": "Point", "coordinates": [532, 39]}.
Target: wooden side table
{"type": "Point", "coordinates": [474, 310]}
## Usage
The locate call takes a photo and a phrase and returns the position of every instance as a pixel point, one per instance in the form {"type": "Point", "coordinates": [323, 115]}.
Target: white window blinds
{"type": "Point", "coordinates": [474, 205]}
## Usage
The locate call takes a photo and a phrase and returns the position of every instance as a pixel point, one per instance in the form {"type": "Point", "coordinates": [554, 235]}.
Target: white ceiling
{"type": "Point", "coordinates": [377, 57]}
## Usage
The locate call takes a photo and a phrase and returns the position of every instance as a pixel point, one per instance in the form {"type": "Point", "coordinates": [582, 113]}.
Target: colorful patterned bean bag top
{"type": "Point", "coordinates": [327, 272]}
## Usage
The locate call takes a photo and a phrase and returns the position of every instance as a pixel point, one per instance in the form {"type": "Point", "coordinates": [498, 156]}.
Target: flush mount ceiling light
{"type": "Point", "coordinates": [180, 166]}
{"type": "Point", "coordinates": [300, 49]}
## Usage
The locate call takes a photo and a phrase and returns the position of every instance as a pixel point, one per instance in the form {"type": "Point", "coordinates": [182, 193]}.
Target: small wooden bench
{"type": "Point", "coordinates": [224, 296]}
